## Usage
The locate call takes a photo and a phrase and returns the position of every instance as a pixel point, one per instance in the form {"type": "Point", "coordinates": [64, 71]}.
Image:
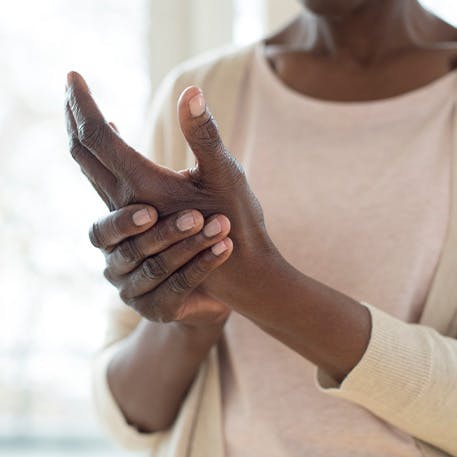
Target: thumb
{"type": "Point", "coordinates": [202, 135]}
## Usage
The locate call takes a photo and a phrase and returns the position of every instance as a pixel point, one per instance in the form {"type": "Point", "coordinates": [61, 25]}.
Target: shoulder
{"type": "Point", "coordinates": [224, 62]}
{"type": "Point", "coordinates": [212, 71]}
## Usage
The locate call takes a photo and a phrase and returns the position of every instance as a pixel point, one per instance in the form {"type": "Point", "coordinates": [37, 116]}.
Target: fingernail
{"type": "Point", "coordinates": [141, 217]}
{"type": "Point", "coordinates": [213, 228]}
{"type": "Point", "coordinates": [197, 105]}
{"type": "Point", "coordinates": [185, 222]}
{"type": "Point", "coordinates": [219, 248]}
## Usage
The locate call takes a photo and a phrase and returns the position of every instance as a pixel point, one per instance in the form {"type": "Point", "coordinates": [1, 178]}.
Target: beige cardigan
{"type": "Point", "coordinates": [408, 374]}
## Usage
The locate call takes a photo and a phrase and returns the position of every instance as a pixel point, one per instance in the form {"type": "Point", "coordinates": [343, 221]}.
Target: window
{"type": "Point", "coordinates": [53, 292]}
{"type": "Point", "coordinates": [250, 20]}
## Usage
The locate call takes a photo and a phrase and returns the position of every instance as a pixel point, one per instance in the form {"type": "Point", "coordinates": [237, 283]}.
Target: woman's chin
{"type": "Point", "coordinates": [332, 8]}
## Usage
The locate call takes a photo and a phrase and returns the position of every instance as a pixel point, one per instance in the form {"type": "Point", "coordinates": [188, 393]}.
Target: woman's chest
{"type": "Point", "coordinates": [366, 214]}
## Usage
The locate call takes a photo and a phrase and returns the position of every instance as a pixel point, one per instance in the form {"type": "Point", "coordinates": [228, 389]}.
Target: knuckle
{"type": "Point", "coordinates": [126, 297]}
{"type": "Point", "coordinates": [131, 303]}
{"type": "Point", "coordinates": [129, 252]}
{"type": "Point", "coordinates": [108, 275]}
{"type": "Point", "coordinates": [179, 283]}
{"type": "Point", "coordinates": [95, 235]}
{"type": "Point", "coordinates": [231, 173]}
{"type": "Point", "coordinates": [154, 268]}
{"type": "Point", "coordinates": [207, 134]}
{"type": "Point", "coordinates": [91, 133]}
{"type": "Point", "coordinates": [199, 270]}
{"type": "Point", "coordinates": [234, 167]}
{"type": "Point", "coordinates": [76, 150]}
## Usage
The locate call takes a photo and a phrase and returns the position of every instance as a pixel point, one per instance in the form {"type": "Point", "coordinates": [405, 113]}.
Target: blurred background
{"type": "Point", "coordinates": [53, 295]}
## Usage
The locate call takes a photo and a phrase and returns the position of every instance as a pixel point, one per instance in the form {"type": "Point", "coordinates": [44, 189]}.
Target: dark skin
{"type": "Point", "coordinates": [353, 51]}
{"type": "Point", "coordinates": [378, 50]}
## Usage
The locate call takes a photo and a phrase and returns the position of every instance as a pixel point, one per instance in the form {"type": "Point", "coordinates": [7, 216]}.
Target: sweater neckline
{"type": "Point", "coordinates": [410, 103]}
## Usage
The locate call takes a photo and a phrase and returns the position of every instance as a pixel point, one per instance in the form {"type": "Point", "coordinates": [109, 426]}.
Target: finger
{"type": "Point", "coordinates": [99, 176]}
{"type": "Point", "coordinates": [93, 131]}
{"type": "Point", "coordinates": [157, 268]}
{"type": "Point", "coordinates": [163, 303]}
{"type": "Point", "coordinates": [133, 251]}
{"type": "Point", "coordinates": [122, 224]}
{"type": "Point", "coordinates": [201, 132]}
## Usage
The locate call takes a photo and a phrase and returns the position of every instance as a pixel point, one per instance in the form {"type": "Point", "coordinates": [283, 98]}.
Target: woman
{"type": "Point", "coordinates": [344, 124]}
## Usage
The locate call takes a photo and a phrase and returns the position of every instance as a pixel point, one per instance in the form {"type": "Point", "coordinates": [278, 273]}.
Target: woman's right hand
{"type": "Point", "coordinates": [144, 255]}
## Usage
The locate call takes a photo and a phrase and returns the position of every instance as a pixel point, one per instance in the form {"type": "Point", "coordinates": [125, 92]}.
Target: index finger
{"type": "Point", "coordinates": [99, 176]}
{"type": "Point", "coordinates": [93, 131]}
{"type": "Point", "coordinates": [122, 224]}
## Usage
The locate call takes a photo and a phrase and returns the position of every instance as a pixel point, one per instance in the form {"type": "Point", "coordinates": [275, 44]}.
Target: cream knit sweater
{"type": "Point", "coordinates": [407, 376]}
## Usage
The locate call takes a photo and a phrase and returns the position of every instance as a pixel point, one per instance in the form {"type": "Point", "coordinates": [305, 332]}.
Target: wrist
{"type": "Point", "coordinates": [203, 333]}
{"type": "Point", "coordinates": [264, 271]}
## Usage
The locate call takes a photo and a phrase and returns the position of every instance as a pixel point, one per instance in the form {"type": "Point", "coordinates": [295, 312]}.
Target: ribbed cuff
{"type": "Point", "coordinates": [392, 374]}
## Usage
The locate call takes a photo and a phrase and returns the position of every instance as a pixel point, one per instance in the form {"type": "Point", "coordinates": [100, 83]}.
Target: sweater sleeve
{"type": "Point", "coordinates": [407, 377]}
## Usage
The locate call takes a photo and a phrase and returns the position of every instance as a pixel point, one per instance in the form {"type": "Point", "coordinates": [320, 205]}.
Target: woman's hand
{"type": "Point", "coordinates": [216, 184]}
{"type": "Point", "coordinates": [158, 266]}
{"type": "Point", "coordinates": [327, 327]}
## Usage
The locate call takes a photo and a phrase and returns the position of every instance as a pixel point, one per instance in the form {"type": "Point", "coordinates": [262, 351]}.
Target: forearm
{"type": "Point", "coordinates": [151, 373]}
{"type": "Point", "coordinates": [325, 326]}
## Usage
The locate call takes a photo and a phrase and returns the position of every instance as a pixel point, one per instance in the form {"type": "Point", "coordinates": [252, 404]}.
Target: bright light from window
{"type": "Point", "coordinates": [447, 9]}
{"type": "Point", "coordinates": [52, 311]}
{"type": "Point", "coordinates": [249, 21]}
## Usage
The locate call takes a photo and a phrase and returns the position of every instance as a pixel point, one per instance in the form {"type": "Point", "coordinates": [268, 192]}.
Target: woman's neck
{"type": "Point", "coordinates": [367, 35]}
